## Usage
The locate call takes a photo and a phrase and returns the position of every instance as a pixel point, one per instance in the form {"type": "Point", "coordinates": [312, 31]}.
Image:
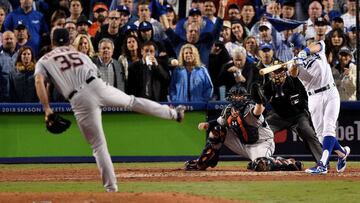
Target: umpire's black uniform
{"type": "Point", "coordinates": [289, 110]}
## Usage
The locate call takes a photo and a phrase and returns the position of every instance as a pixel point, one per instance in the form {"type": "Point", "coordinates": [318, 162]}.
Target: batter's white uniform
{"type": "Point", "coordinates": [324, 99]}
{"type": "Point", "coordinates": [264, 147]}
{"type": "Point", "coordinates": [69, 70]}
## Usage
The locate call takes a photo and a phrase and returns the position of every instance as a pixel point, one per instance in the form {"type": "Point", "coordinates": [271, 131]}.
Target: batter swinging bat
{"type": "Point", "coordinates": [274, 67]}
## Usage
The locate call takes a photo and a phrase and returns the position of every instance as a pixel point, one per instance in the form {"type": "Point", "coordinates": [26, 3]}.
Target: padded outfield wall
{"type": "Point", "coordinates": [136, 137]}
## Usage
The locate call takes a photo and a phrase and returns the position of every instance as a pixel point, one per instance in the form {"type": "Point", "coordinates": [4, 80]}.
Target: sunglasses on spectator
{"type": "Point", "coordinates": [114, 18]}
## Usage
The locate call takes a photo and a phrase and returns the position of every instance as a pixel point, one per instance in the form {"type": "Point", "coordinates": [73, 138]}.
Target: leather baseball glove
{"type": "Point", "coordinates": [57, 124]}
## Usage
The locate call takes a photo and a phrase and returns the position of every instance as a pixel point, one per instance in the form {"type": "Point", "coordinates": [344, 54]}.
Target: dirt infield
{"type": "Point", "coordinates": [146, 175]}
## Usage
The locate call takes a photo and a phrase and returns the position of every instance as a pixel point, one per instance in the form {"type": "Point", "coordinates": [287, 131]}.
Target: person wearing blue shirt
{"type": "Point", "coordinates": [34, 21]}
{"type": "Point", "coordinates": [190, 82]}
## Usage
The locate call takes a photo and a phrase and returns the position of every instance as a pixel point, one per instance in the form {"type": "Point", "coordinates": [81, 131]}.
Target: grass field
{"type": "Point", "coordinates": [228, 181]}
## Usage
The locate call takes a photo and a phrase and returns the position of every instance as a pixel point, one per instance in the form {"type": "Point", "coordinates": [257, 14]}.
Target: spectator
{"type": "Point", "coordinates": [328, 10]}
{"type": "Point", "coordinates": [129, 29]}
{"type": "Point", "coordinates": [233, 12]}
{"type": "Point", "coordinates": [146, 33]}
{"type": "Point", "coordinates": [225, 34]}
{"type": "Point", "coordinates": [5, 4]}
{"type": "Point", "coordinates": [71, 28]}
{"type": "Point", "coordinates": [198, 4]}
{"type": "Point", "coordinates": [314, 11]}
{"type": "Point", "coordinates": [190, 82]}
{"type": "Point", "coordinates": [83, 44]}
{"type": "Point", "coordinates": [100, 11]}
{"type": "Point", "coordinates": [2, 19]}
{"type": "Point", "coordinates": [219, 56]}
{"type": "Point", "coordinates": [34, 21]}
{"type": "Point", "coordinates": [345, 75]}
{"type": "Point", "coordinates": [334, 41]}
{"type": "Point", "coordinates": [352, 39]}
{"type": "Point", "coordinates": [350, 16]}
{"type": "Point", "coordinates": [266, 55]}
{"type": "Point", "coordinates": [58, 18]}
{"type": "Point", "coordinates": [131, 4]}
{"type": "Point", "coordinates": [8, 57]}
{"type": "Point", "coordinates": [83, 25]}
{"type": "Point", "coordinates": [273, 8]}
{"type": "Point", "coordinates": [171, 16]}
{"type": "Point", "coordinates": [109, 69]}
{"type": "Point", "coordinates": [210, 10]}
{"type": "Point", "coordinates": [75, 10]}
{"type": "Point", "coordinates": [124, 15]}
{"type": "Point", "coordinates": [22, 38]}
{"type": "Point", "coordinates": [144, 14]}
{"type": "Point", "coordinates": [240, 71]}
{"type": "Point", "coordinates": [320, 27]}
{"type": "Point", "coordinates": [252, 48]}
{"type": "Point", "coordinates": [238, 34]}
{"type": "Point", "coordinates": [338, 22]}
{"type": "Point", "coordinates": [147, 77]}
{"type": "Point", "coordinates": [111, 31]}
{"type": "Point", "coordinates": [22, 80]}
{"type": "Point", "coordinates": [130, 53]}
{"type": "Point", "coordinates": [288, 9]}
{"type": "Point", "coordinates": [248, 15]}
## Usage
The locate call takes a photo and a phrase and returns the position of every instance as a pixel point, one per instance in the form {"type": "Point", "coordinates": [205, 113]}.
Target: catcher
{"type": "Point", "coordinates": [241, 127]}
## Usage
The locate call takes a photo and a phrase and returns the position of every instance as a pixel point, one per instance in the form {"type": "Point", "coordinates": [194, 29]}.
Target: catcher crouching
{"type": "Point", "coordinates": [241, 127]}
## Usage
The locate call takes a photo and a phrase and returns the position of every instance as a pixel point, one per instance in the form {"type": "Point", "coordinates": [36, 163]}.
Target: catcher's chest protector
{"type": "Point", "coordinates": [247, 134]}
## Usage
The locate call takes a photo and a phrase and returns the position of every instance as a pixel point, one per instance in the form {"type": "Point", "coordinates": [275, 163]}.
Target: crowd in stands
{"type": "Point", "coordinates": [142, 47]}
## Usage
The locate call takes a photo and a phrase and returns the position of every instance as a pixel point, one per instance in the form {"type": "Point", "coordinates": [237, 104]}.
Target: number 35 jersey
{"type": "Point", "coordinates": [67, 68]}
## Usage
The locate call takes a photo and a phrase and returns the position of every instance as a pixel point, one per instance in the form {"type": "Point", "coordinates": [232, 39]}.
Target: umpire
{"type": "Point", "coordinates": [288, 100]}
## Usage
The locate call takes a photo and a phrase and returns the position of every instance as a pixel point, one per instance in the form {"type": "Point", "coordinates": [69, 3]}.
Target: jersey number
{"type": "Point", "coordinates": [69, 60]}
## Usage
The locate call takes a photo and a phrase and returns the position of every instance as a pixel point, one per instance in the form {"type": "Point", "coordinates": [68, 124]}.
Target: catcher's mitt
{"type": "Point", "coordinates": [57, 124]}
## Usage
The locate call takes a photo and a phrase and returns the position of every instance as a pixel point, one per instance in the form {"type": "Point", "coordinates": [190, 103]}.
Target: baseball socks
{"type": "Point", "coordinates": [328, 146]}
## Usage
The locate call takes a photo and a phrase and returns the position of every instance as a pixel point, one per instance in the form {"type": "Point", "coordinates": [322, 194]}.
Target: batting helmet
{"type": "Point", "coordinates": [296, 40]}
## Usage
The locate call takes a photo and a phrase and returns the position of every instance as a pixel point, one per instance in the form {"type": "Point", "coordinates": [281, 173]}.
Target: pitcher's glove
{"type": "Point", "coordinates": [57, 124]}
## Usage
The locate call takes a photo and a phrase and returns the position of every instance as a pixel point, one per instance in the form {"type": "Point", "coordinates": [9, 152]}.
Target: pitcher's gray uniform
{"type": "Point", "coordinates": [263, 147]}
{"type": "Point", "coordinates": [74, 75]}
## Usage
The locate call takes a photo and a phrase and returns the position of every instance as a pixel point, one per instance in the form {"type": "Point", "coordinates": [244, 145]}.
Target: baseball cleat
{"type": "Point", "coordinates": [318, 169]}
{"type": "Point", "coordinates": [180, 110]}
{"type": "Point", "coordinates": [341, 164]}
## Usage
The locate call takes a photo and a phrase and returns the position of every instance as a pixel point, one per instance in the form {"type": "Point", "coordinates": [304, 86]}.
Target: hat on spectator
{"type": "Point", "coordinates": [227, 24]}
{"type": "Point", "coordinates": [61, 36]}
{"type": "Point", "coordinates": [20, 26]}
{"type": "Point", "coordinates": [320, 21]}
{"type": "Point", "coordinates": [83, 20]}
{"type": "Point", "coordinates": [145, 26]}
{"type": "Point", "coordinates": [337, 19]}
{"type": "Point", "coordinates": [129, 28]}
{"type": "Point", "coordinates": [345, 50]}
{"type": "Point", "coordinates": [169, 8]}
{"type": "Point", "coordinates": [194, 11]}
{"type": "Point", "coordinates": [100, 6]}
{"type": "Point", "coordinates": [124, 9]}
{"type": "Point", "coordinates": [289, 3]}
{"type": "Point", "coordinates": [265, 24]}
{"type": "Point", "coordinates": [233, 6]}
{"type": "Point", "coordinates": [264, 45]}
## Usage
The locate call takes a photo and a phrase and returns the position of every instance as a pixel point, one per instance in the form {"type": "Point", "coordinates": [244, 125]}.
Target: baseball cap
{"type": "Point", "coordinates": [20, 26]}
{"type": "Point", "coordinates": [83, 20]}
{"type": "Point", "coordinates": [345, 50]}
{"type": "Point", "coordinates": [337, 19]}
{"type": "Point", "coordinates": [265, 24]}
{"type": "Point", "coordinates": [129, 28]}
{"type": "Point", "coordinates": [227, 24]}
{"type": "Point", "coordinates": [352, 28]}
{"type": "Point", "coordinates": [265, 45]}
{"type": "Point", "coordinates": [194, 11]}
{"type": "Point", "coordinates": [124, 9]}
{"type": "Point", "coordinates": [61, 36]}
{"type": "Point", "coordinates": [233, 6]}
{"type": "Point", "coordinates": [169, 7]}
{"type": "Point", "coordinates": [320, 21]}
{"type": "Point", "coordinates": [99, 6]}
{"type": "Point", "coordinates": [145, 26]}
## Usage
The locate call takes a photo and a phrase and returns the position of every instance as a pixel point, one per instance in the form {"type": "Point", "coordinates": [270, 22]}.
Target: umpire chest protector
{"type": "Point", "coordinates": [247, 134]}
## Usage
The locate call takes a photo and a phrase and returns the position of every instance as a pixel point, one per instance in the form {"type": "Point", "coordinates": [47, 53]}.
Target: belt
{"type": "Point", "coordinates": [321, 89]}
{"type": "Point", "coordinates": [88, 81]}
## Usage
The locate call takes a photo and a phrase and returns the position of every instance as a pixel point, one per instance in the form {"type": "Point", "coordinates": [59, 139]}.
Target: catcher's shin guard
{"type": "Point", "coordinates": [210, 155]}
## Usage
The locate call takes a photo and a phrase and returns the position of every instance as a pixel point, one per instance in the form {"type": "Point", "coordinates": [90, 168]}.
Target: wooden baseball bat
{"type": "Point", "coordinates": [274, 67]}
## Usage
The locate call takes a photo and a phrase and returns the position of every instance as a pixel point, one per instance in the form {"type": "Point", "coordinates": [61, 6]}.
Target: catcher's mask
{"type": "Point", "coordinates": [238, 96]}
{"type": "Point", "coordinates": [278, 77]}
